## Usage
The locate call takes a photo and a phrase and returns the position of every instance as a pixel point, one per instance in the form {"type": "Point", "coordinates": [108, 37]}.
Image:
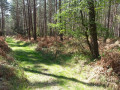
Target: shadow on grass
{"type": "Point", "coordinates": [45, 84]}
{"type": "Point", "coordinates": [65, 78]}
{"type": "Point", "coordinates": [34, 57]}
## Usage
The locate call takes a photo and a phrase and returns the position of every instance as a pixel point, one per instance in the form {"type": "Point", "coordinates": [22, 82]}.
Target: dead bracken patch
{"type": "Point", "coordinates": [7, 72]}
{"type": "Point", "coordinates": [111, 60]}
{"type": "Point", "coordinates": [4, 49]}
{"type": "Point", "coordinates": [22, 38]}
{"type": "Point", "coordinates": [107, 70]}
{"type": "Point", "coordinates": [109, 45]}
{"type": "Point", "coordinates": [48, 42]}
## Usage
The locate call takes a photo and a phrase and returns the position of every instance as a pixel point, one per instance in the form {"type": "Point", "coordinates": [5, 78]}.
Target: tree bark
{"type": "Point", "coordinates": [35, 37]}
{"type": "Point", "coordinates": [45, 19]}
{"type": "Point", "coordinates": [93, 30]}
{"type": "Point", "coordinates": [50, 15]}
{"type": "Point", "coordinates": [60, 19]}
{"type": "Point", "coordinates": [108, 24]}
{"type": "Point", "coordinates": [2, 20]}
{"type": "Point", "coordinates": [24, 16]}
{"type": "Point", "coordinates": [29, 35]}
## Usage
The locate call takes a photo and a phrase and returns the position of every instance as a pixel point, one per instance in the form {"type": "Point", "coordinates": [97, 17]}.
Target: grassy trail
{"type": "Point", "coordinates": [45, 73]}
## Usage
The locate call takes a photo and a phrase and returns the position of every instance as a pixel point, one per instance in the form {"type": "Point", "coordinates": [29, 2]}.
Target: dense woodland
{"type": "Point", "coordinates": [88, 30]}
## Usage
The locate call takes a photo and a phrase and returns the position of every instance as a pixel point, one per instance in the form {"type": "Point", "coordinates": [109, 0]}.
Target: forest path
{"type": "Point", "coordinates": [44, 73]}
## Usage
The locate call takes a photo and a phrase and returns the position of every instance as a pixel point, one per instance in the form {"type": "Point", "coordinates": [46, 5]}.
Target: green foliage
{"type": "Point", "coordinates": [18, 30]}
{"type": "Point", "coordinates": [71, 18]}
{"type": "Point", "coordinates": [101, 29]}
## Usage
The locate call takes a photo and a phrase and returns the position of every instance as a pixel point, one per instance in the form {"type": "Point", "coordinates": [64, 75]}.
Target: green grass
{"type": "Point", "coordinates": [45, 72]}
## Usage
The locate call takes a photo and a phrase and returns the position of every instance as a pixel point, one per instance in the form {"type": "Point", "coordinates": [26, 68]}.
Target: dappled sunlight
{"type": "Point", "coordinates": [45, 72]}
{"type": "Point", "coordinates": [63, 77]}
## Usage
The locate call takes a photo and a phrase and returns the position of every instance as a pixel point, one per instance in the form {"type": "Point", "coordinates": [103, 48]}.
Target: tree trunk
{"type": "Point", "coordinates": [29, 35]}
{"type": "Point", "coordinates": [24, 16]}
{"type": "Point", "coordinates": [60, 19]}
{"type": "Point", "coordinates": [50, 15]}
{"type": "Point", "coordinates": [107, 31]}
{"type": "Point", "coordinates": [17, 15]}
{"type": "Point", "coordinates": [45, 19]}
{"type": "Point", "coordinates": [86, 34]}
{"type": "Point", "coordinates": [40, 20]}
{"type": "Point", "coordinates": [93, 31]}
{"type": "Point", "coordinates": [2, 20]}
{"type": "Point", "coordinates": [31, 19]}
{"type": "Point", "coordinates": [35, 37]}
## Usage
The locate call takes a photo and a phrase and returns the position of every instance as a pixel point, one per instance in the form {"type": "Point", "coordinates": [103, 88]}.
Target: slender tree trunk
{"type": "Point", "coordinates": [107, 31]}
{"type": "Point", "coordinates": [40, 20]}
{"type": "Point", "coordinates": [17, 15]}
{"type": "Point", "coordinates": [24, 16]}
{"type": "Point", "coordinates": [31, 19]}
{"type": "Point", "coordinates": [50, 15]}
{"type": "Point", "coordinates": [86, 27]}
{"type": "Point", "coordinates": [60, 19]}
{"type": "Point", "coordinates": [56, 19]}
{"type": "Point", "coordinates": [35, 37]}
{"type": "Point", "coordinates": [93, 31]}
{"type": "Point", "coordinates": [2, 20]}
{"type": "Point", "coordinates": [45, 19]}
{"type": "Point", "coordinates": [29, 35]}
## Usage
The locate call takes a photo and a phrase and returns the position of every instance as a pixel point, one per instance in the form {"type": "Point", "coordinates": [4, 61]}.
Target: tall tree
{"type": "Point", "coordinates": [45, 19]}
{"type": "Point", "coordinates": [50, 15]}
{"type": "Point", "coordinates": [93, 30]}
{"type": "Point", "coordinates": [3, 7]}
{"type": "Point", "coordinates": [108, 23]}
{"type": "Point", "coordinates": [24, 16]}
{"type": "Point", "coordinates": [35, 37]}
{"type": "Point", "coordinates": [29, 29]}
{"type": "Point", "coordinates": [60, 20]}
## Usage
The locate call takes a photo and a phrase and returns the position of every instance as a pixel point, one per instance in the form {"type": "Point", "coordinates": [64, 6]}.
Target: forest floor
{"type": "Point", "coordinates": [46, 73]}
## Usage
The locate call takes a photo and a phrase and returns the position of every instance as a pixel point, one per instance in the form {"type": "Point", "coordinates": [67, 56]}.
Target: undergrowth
{"type": "Point", "coordinates": [65, 65]}
{"type": "Point", "coordinates": [11, 75]}
{"type": "Point", "coordinates": [59, 67]}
